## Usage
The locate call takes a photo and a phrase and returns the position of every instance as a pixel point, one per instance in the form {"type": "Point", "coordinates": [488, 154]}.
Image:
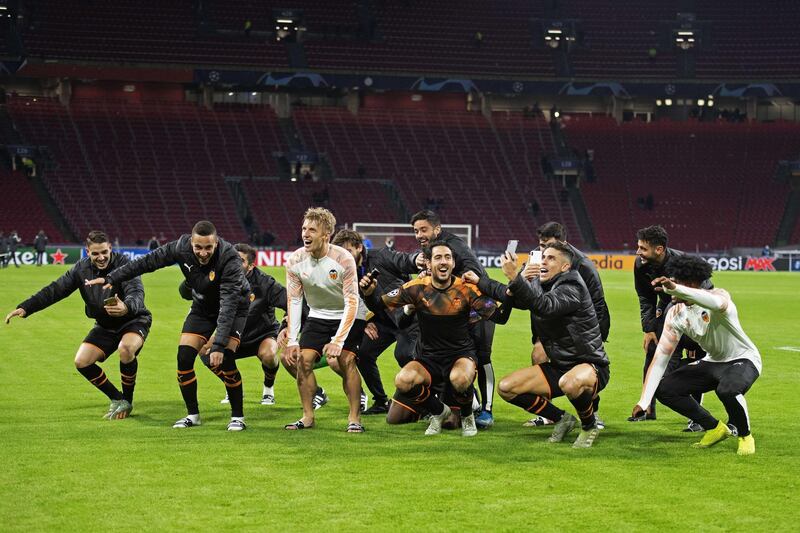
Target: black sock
{"type": "Point", "coordinates": [596, 403]}
{"type": "Point", "coordinates": [233, 383]}
{"type": "Point", "coordinates": [421, 396]}
{"type": "Point", "coordinates": [463, 400]}
{"type": "Point", "coordinates": [269, 374]}
{"type": "Point", "coordinates": [187, 378]}
{"type": "Point", "coordinates": [127, 373]}
{"type": "Point", "coordinates": [539, 405]}
{"type": "Point", "coordinates": [583, 405]}
{"type": "Point", "coordinates": [98, 378]}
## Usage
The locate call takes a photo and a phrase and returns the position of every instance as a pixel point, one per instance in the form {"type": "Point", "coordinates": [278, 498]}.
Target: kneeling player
{"type": "Point", "coordinates": [121, 320]}
{"type": "Point", "coordinates": [445, 307]}
{"type": "Point", "coordinates": [731, 365]}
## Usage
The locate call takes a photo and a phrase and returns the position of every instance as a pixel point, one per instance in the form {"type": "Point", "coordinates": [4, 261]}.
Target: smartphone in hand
{"type": "Point", "coordinates": [110, 301]}
{"type": "Point", "coordinates": [511, 247]}
{"type": "Point", "coordinates": [535, 257]}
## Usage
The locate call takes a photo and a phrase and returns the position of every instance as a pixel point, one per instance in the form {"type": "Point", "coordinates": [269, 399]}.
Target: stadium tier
{"type": "Point", "coordinates": [142, 169]}
{"type": "Point", "coordinates": [712, 184]}
{"type": "Point", "coordinates": [456, 162]}
{"type": "Point", "coordinates": [138, 31]}
{"type": "Point", "coordinates": [743, 40]}
{"type": "Point", "coordinates": [21, 209]}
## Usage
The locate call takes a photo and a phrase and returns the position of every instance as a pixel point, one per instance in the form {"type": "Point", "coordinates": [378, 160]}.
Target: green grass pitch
{"type": "Point", "coordinates": [66, 469]}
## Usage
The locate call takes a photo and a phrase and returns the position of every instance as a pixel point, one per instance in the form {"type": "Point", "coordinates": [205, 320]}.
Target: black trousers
{"type": "Point", "coordinates": [730, 381]}
{"type": "Point", "coordinates": [370, 350]}
{"type": "Point", "coordinates": [675, 360]}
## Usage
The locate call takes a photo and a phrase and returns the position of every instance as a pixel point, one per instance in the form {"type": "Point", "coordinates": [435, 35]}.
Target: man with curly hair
{"type": "Point", "coordinates": [731, 365]}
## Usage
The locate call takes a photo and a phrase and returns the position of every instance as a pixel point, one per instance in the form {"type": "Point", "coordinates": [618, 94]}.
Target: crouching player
{"type": "Point", "coordinates": [445, 307]}
{"type": "Point", "coordinates": [731, 365]}
{"type": "Point", "coordinates": [121, 320]}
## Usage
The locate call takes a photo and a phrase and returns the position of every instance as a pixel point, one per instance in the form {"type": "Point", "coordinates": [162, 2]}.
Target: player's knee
{"type": "Point", "coordinates": [570, 386]}
{"type": "Point", "coordinates": [404, 381]}
{"type": "Point", "coordinates": [460, 380]}
{"type": "Point", "coordinates": [127, 352]}
{"type": "Point", "coordinates": [81, 361]}
{"type": "Point", "coordinates": [506, 389]}
{"type": "Point", "coordinates": [728, 390]}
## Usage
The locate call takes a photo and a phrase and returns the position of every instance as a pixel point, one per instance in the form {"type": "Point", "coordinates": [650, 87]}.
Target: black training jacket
{"type": "Point", "coordinates": [130, 291]}
{"type": "Point", "coordinates": [394, 268]}
{"type": "Point", "coordinates": [562, 314]}
{"type": "Point", "coordinates": [588, 272]}
{"type": "Point", "coordinates": [220, 285]}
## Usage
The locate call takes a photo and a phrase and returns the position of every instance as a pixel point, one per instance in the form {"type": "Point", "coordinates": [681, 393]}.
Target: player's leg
{"type": "Point", "coordinates": [268, 355]}
{"type": "Point", "coordinates": [320, 397]}
{"type": "Point", "coordinates": [415, 381]}
{"type": "Point", "coordinates": [734, 382]}
{"type": "Point", "coordinates": [405, 348]}
{"type": "Point", "coordinates": [581, 384]}
{"type": "Point", "coordinates": [345, 366]}
{"type": "Point", "coordinates": [233, 382]}
{"type": "Point", "coordinates": [676, 389]}
{"type": "Point", "coordinates": [530, 389]}
{"type": "Point", "coordinates": [306, 386]}
{"type": "Point", "coordinates": [127, 349]}
{"type": "Point", "coordinates": [483, 336]}
{"type": "Point", "coordinates": [367, 362]}
{"type": "Point", "coordinates": [86, 359]}
{"type": "Point", "coordinates": [188, 348]}
{"type": "Point", "coordinates": [462, 376]}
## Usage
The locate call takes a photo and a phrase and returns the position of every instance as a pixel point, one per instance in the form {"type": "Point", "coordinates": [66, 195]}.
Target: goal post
{"type": "Point", "coordinates": [403, 234]}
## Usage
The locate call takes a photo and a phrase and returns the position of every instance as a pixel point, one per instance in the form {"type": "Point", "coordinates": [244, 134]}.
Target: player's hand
{"type": "Point", "coordinates": [662, 283]}
{"type": "Point", "coordinates": [332, 350]}
{"type": "Point", "coordinates": [16, 312]}
{"type": "Point", "coordinates": [649, 337]}
{"type": "Point", "coordinates": [372, 331]}
{"type": "Point", "coordinates": [470, 277]}
{"type": "Point", "coordinates": [118, 309]}
{"type": "Point", "coordinates": [367, 284]}
{"type": "Point", "coordinates": [292, 355]}
{"type": "Point", "coordinates": [206, 348]}
{"type": "Point", "coordinates": [421, 262]}
{"type": "Point", "coordinates": [531, 271]}
{"type": "Point", "coordinates": [508, 262]}
{"type": "Point", "coordinates": [97, 281]}
{"type": "Point", "coordinates": [215, 359]}
{"type": "Point", "coordinates": [283, 338]}
{"type": "Point", "coordinates": [638, 411]}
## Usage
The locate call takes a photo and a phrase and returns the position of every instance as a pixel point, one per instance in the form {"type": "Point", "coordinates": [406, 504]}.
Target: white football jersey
{"type": "Point", "coordinates": [715, 328]}
{"type": "Point", "coordinates": [330, 287]}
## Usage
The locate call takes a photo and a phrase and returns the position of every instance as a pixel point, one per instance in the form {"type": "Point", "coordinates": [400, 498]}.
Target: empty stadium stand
{"type": "Point", "coordinates": [141, 169]}
{"type": "Point", "coordinates": [712, 183]}
{"type": "Point", "coordinates": [484, 174]}
{"type": "Point", "coordinates": [21, 209]}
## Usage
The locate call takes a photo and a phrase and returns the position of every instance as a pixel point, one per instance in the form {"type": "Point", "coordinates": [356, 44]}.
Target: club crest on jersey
{"type": "Point", "coordinates": [252, 297]}
{"type": "Point", "coordinates": [392, 294]}
{"type": "Point", "coordinates": [333, 274]}
{"type": "Point", "coordinates": [212, 275]}
{"type": "Point", "coordinates": [705, 317]}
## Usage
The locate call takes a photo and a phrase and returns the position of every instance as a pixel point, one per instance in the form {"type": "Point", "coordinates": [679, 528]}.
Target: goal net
{"type": "Point", "coordinates": [403, 235]}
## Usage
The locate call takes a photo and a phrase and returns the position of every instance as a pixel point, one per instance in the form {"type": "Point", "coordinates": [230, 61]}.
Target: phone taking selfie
{"type": "Point", "coordinates": [511, 247]}
{"type": "Point", "coordinates": [110, 301]}
{"type": "Point", "coordinates": [374, 273]}
{"type": "Point", "coordinates": [535, 257]}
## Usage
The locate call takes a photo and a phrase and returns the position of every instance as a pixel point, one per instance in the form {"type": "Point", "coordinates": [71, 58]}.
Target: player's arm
{"type": "Point", "coordinates": [396, 264]}
{"type": "Point", "coordinates": [185, 291]}
{"type": "Point", "coordinates": [667, 344]}
{"type": "Point", "coordinates": [56, 291]}
{"type": "Point", "coordinates": [561, 300]}
{"type": "Point", "coordinates": [648, 300]}
{"type": "Point", "coordinates": [231, 287]}
{"type": "Point", "coordinates": [706, 299]}
{"type": "Point", "coordinates": [294, 307]}
{"type": "Point", "coordinates": [133, 292]}
{"type": "Point", "coordinates": [159, 258]}
{"type": "Point", "coordinates": [350, 295]}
